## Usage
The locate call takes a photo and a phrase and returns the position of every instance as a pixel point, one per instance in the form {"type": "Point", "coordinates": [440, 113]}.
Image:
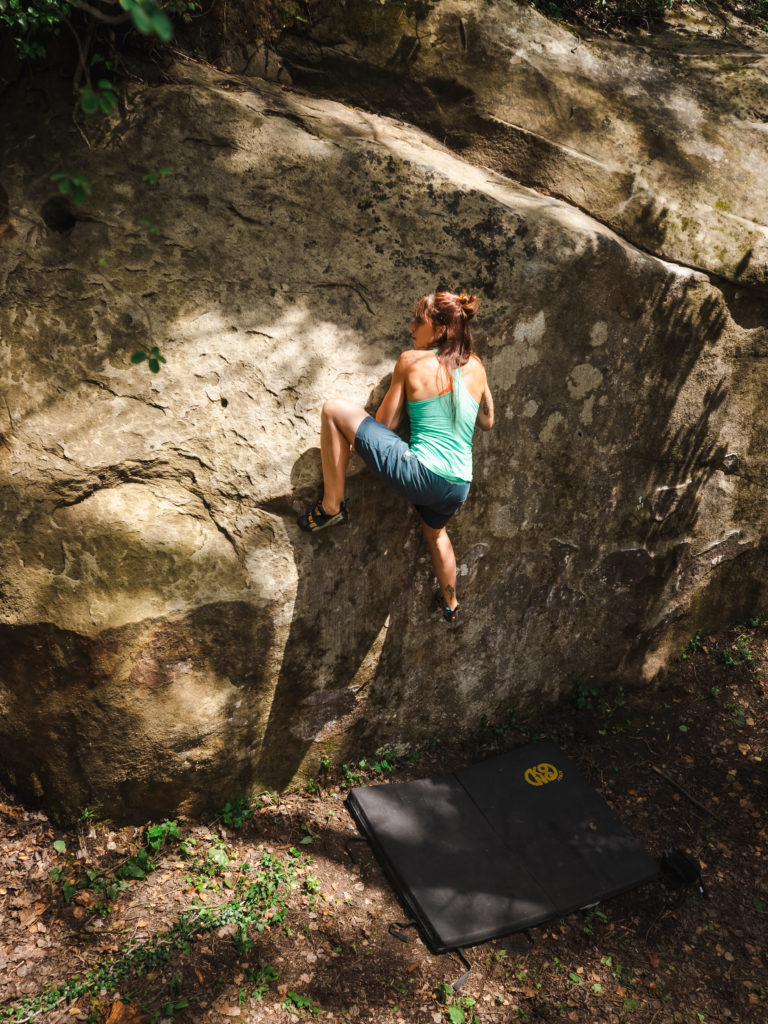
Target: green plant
{"type": "Point", "coordinates": [32, 22]}
{"type": "Point", "coordinates": [351, 774]}
{"type": "Point", "coordinates": [99, 97]}
{"type": "Point", "coordinates": [153, 177]}
{"type": "Point", "coordinates": [694, 644]}
{"type": "Point", "coordinates": [73, 877]}
{"type": "Point", "coordinates": [258, 902]}
{"type": "Point", "coordinates": [153, 229]}
{"type": "Point", "coordinates": [592, 915]}
{"type": "Point", "coordinates": [262, 977]}
{"type": "Point", "coordinates": [738, 713]}
{"type": "Point", "coordinates": [385, 763]}
{"type": "Point", "coordinates": [294, 1001]}
{"type": "Point", "coordinates": [154, 359]}
{"type": "Point", "coordinates": [459, 1009]}
{"type": "Point", "coordinates": [76, 186]}
{"type": "Point", "coordinates": [237, 811]}
{"type": "Point", "coordinates": [583, 699]}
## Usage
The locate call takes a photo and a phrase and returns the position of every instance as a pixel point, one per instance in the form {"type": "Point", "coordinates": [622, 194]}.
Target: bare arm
{"type": "Point", "coordinates": [485, 412]}
{"type": "Point", "coordinates": [390, 412]}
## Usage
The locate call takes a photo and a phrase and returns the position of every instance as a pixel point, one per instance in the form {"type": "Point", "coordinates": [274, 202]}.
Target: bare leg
{"type": "Point", "coordinates": [443, 562]}
{"type": "Point", "coordinates": [338, 426]}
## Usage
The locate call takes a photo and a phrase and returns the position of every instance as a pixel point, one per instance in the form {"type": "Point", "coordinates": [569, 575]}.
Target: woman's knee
{"type": "Point", "coordinates": [331, 408]}
{"type": "Point", "coordinates": [434, 535]}
{"type": "Point", "coordinates": [346, 416]}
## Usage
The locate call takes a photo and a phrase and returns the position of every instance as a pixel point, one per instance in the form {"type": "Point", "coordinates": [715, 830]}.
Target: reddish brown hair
{"type": "Point", "coordinates": [452, 313]}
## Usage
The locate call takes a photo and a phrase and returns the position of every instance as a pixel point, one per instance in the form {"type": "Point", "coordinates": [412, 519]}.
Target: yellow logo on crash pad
{"type": "Point", "coordinates": [541, 774]}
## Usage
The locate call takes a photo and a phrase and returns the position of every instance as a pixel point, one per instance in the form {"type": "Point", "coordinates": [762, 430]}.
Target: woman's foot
{"type": "Point", "coordinates": [451, 615]}
{"type": "Point", "coordinates": [317, 518]}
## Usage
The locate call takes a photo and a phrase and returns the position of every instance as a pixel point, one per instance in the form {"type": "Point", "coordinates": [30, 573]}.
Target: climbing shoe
{"type": "Point", "coordinates": [451, 615]}
{"type": "Point", "coordinates": [317, 518]}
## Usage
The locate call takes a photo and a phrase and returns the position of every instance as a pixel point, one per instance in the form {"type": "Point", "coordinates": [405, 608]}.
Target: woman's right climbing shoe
{"type": "Point", "coordinates": [317, 518]}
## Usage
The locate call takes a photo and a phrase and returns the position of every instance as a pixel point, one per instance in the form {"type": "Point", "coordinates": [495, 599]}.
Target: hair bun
{"type": "Point", "coordinates": [468, 305]}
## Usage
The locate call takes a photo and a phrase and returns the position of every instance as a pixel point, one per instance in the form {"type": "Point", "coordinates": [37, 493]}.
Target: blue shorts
{"type": "Point", "coordinates": [435, 498]}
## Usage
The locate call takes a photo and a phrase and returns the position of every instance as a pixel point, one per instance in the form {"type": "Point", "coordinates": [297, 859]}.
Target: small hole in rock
{"type": "Point", "coordinates": [58, 214]}
{"type": "Point", "coordinates": [224, 403]}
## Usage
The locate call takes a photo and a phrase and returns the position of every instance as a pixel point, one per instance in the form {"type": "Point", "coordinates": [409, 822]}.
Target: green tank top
{"type": "Point", "coordinates": [441, 431]}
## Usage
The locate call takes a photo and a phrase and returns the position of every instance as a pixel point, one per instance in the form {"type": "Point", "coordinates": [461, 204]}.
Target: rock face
{"type": "Point", "coordinates": [168, 636]}
{"type": "Point", "coordinates": [663, 135]}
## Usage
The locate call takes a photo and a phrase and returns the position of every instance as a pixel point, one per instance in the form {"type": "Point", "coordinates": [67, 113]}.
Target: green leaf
{"type": "Point", "coordinates": [141, 20]}
{"type": "Point", "coordinates": [162, 26]}
{"type": "Point", "coordinates": [575, 979]}
{"type": "Point", "coordinates": [154, 366]}
{"type": "Point", "coordinates": [132, 870]}
{"type": "Point", "coordinates": [456, 1015]}
{"type": "Point", "coordinates": [138, 357]}
{"type": "Point", "coordinates": [89, 100]}
{"type": "Point", "coordinates": [306, 840]}
{"type": "Point", "coordinates": [60, 846]}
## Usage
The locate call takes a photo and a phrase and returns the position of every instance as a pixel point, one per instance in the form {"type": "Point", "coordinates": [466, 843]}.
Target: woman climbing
{"type": "Point", "coordinates": [443, 385]}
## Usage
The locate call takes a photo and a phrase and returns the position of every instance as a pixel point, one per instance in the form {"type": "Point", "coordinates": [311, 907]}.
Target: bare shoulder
{"type": "Point", "coordinates": [475, 368]}
{"type": "Point", "coordinates": [408, 356]}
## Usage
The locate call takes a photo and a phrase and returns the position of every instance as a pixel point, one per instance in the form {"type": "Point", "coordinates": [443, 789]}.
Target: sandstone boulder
{"type": "Point", "coordinates": [169, 637]}
{"type": "Point", "coordinates": [661, 134]}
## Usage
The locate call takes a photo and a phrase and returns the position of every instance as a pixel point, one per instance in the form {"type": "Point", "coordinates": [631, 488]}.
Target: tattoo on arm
{"type": "Point", "coordinates": [485, 406]}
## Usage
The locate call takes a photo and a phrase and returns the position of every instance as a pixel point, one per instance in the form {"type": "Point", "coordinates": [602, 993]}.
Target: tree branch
{"type": "Point", "coordinates": [108, 19]}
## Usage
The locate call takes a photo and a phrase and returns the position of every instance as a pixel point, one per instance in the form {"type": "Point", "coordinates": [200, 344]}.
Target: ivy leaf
{"type": "Point", "coordinates": [132, 870]}
{"type": "Point", "coordinates": [60, 846]}
{"type": "Point", "coordinates": [138, 357]}
{"type": "Point", "coordinates": [456, 1014]}
{"type": "Point", "coordinates": [154, 366]}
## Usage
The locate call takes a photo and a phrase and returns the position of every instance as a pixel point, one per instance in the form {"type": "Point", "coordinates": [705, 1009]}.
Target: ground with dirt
{"type": "Point", "coordinates": [262, 915]}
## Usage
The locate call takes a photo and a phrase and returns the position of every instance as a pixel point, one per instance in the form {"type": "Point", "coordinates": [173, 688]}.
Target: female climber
{"type": "Point", "coordinates": [442, 384]}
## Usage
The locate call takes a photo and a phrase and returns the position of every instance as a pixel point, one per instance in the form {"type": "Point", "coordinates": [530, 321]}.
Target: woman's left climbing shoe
{"type": "Point", "coordinates": [317, 518]}
{"type": "Point", "coordinates": [451, 615]}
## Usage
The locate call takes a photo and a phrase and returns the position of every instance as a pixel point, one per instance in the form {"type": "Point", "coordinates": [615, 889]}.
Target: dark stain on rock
{"type": "Point", "coordinates": [626, 568]}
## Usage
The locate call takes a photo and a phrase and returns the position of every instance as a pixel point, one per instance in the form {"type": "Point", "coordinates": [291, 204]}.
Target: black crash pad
{"type": "Point", "coordinates": [500, 846]}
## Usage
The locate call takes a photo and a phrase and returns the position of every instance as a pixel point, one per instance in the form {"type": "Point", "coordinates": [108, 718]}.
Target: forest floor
{"type": "Point", "coordinates": [261, 915]}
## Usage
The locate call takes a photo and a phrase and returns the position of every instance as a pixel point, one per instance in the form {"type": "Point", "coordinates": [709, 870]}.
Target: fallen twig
{"type": "Point", "coordinates": [685, 793]}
